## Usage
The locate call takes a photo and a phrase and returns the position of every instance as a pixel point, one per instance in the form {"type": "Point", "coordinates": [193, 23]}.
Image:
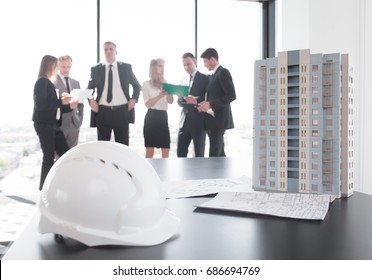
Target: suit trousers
{"type": "Point", "coordinates": [185, 135]}
{"type": "Point", "coordinates": [116, 119]}
{"type": "Point", "coordinates": [216, 143]}
{"type": "Point", "coordinates": [71, 122]}
{"type": "Point", "coordinates": [52, 140]}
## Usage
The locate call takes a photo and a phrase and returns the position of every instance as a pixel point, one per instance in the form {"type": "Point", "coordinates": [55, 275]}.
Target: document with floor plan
{"type": "Point", "coordinates": [288, 205]}
{"type": "Point", "coordinates": [189, 188]}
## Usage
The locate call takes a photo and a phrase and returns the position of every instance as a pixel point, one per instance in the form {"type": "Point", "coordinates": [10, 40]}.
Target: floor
{"type": "Point", "coordinates": [18, 197]}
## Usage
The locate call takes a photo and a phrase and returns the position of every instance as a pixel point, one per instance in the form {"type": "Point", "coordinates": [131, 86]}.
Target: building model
{"type": "Point", "coordinates": [303, 124]}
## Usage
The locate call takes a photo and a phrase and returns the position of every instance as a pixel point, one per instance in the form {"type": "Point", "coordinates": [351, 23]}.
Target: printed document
{"type": "Point", "coordinates": [288, 205]}
{"type": "Point", "coordinates": [80, 94]}
{"type": "Point", "coordinates": [189, 188]}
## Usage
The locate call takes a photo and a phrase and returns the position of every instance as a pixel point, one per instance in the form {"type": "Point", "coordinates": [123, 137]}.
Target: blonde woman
{"type": "Point", "coordinates": [156, 129]}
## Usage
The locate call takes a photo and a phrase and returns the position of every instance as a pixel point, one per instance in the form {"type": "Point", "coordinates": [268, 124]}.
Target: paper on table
{"type": "Point", "coordinates": [176, 89]}
{"type": "Point", "coordinates": [80, 94]}
{"type": "Point", "coordinates": [288, 205]}
{"type": "Point", "coordinates": [189, 188]}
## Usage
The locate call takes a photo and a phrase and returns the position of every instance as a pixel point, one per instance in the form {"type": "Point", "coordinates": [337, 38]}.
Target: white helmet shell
{"type": "Point", "coordinates": [103, 193]}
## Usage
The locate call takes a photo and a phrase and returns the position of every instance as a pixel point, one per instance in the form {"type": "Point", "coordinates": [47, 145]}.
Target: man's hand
{"type": "Point", "coordinates": [93, 105]}
{"type": "Point", "coordinates": [131, 104]}
{"type": "Point", "coordinates": [191, 99]}
{"type": "Point", "coordinates": [74, 103]}
{"type": "Point", "coordinates": [204, 106]}
{"type": "Point", "coordinates": [66, 98]}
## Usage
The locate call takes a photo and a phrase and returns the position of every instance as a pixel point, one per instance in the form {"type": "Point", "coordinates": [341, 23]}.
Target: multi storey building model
{"type": "Point", "coordinates": [303, 124]}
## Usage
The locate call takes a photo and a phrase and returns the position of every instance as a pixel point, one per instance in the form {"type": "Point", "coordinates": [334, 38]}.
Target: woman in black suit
{"type": "Point", "coordinates": [47, 110]}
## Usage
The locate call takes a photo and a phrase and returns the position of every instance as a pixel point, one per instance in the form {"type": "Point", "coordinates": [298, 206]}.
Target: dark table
{"type": "Point", "coordinates": [345, 233]}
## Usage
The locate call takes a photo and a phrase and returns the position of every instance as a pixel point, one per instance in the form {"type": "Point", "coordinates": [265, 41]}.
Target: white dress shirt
{"type": "Point", "coordinates": [118, 97]}
{"type": "Point", "coordinates": [149, 92]}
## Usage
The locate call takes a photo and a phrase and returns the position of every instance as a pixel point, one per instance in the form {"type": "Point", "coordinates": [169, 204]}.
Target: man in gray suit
{"type": "Point", "coordinates": [72, 116]}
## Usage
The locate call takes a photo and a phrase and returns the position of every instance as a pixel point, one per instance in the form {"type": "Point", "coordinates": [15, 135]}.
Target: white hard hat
{"type": "Point", "coordinates": [103, 193]}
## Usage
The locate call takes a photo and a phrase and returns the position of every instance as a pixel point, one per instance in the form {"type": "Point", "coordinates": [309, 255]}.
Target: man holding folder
{"type": "Point", "coordinates": [192, 121]}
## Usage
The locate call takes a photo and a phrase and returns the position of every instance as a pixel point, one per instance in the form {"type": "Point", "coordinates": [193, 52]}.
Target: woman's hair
{"type": "Point", "coordinates": [155, 77]}
{"type": "Point", "coordinates": [47, 65]}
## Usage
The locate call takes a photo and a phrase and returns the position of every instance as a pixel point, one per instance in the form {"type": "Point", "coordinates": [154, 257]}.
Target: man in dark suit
{"type": "Point", "coordinates": [71, 118]}
{"type": "Point", "coordinates": [192, 121]}
{"type": "Point", "coordinates": [113, 108]}
{"type": "Point", "coordinates": [220, 93]}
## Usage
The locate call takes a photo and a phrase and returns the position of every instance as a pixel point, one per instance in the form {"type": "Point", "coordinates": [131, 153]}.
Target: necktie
{"type": "Point", "coordinates": [109, 88]}
{"type": "Point", "coordinates": [190, 80]}
{"type": "Point", "coordinates": [67, 85]}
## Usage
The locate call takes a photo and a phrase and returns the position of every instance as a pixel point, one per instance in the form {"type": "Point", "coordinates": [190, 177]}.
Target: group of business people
{"type": "Point", "coordinates": [206, 110]}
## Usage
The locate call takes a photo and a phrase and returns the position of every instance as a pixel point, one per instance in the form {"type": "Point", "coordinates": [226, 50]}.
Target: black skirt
{"type": "Point", "coordinates": [156, 129]}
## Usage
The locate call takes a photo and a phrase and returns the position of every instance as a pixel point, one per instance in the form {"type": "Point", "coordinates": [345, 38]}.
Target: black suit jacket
{"type": "Point", "coordinates": [97, 82]}
{"type": "Point", "coordinates": [220, 93]}
{"type": "Point", "coordinates": [198, 89]}
{"type": "Point", "coordinates": [46, 102]}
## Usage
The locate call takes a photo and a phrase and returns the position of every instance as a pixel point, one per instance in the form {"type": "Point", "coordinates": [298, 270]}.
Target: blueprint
{"type": "Point", "coordinates": [189, 188]}
{"type": "Point", "coordinates": [289, 205]}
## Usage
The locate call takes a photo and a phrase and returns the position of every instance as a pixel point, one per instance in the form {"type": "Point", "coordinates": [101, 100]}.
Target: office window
{"type": "Point", "coordinates": [142, 33]}
{"type": "Point", "coordinates": [238, 50]}
{"type": "Point", "coordinates": [314, 166]}
{"type": "Point", "coordinates": [315, 144]}
{"type": "Point", "coordinates": [329, 134]}
{"type": "Point", "coordinates": [49, 29]}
